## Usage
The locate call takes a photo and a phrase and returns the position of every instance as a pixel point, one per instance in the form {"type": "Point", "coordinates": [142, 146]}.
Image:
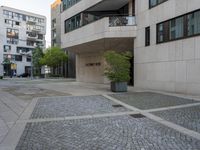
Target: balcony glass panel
{"type": "Point", "coordinates": [121, 21]}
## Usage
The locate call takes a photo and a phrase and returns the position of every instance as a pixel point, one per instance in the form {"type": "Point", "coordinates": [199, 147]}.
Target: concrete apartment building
{"type": "Point", "coordinates": [161, 34]}
{"type": "Point", "coordinates": [66, 69]}
{"type": "Point", "coordinates": [20, 33]}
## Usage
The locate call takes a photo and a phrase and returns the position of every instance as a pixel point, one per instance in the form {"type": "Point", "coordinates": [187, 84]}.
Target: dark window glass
{"type": "Point", "coordinates": [28, 59]}
{"type": "Point", "coordinates": [68, 3]}
{"type": "Point", "coordinates": [73, 23]}
{"type": "Point", "coordinates": [181, 27]}
{"type": "Point", "coordinates": [176, 28]}
{"type": "Point", "coordinates": [153, 3]}
{"type": "Point", "coordinates": [7, 48]}
{"type": "Point", "coordinates": [193, 23]}
{"type": "Point", "coordinates": [18, 58]}
{"type": "Point", "coordinates": [147, 36]}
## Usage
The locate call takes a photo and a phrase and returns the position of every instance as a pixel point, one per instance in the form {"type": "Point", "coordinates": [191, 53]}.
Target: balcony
{"type": "Point", "coordinates": [112, 27]}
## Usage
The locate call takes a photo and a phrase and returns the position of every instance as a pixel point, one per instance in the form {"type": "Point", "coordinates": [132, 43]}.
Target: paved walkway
{"type": "Point", "coordinates": [94, 118]}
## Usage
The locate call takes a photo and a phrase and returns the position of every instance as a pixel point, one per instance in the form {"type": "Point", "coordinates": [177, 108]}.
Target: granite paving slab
{"type": "Point", "coordinates": [187, 117]}
{"type": "Point", "coordinates": [74, 106]}
{"type": "Point", "coordinates": [109, 133]}
{"type": "Point", "coordinates": [148, 100]}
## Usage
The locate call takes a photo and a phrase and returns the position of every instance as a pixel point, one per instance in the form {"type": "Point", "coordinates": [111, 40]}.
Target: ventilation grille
{"type": "Point", "coordinates": [138, 116]}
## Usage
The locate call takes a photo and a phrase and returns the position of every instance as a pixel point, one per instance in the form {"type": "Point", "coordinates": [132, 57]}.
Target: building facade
{"type": "Point", "coordinates": [163, 36]}
{"type": "Point", "coordinates": [168, 57]}
{"type": "Point", "coordinates": [67, 69]}
{"type": "Point", "coordinates": [20, 33]}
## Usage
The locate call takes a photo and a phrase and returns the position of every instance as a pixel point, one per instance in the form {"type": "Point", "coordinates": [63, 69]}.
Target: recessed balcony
{"type": "Point", "coordinates": [104, 28]}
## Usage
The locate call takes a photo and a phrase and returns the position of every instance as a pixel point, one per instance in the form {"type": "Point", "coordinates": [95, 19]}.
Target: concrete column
{"type": "Point", "coordinates": [130, 7]}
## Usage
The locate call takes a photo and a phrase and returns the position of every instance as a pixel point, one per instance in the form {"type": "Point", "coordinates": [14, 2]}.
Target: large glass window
{"type": "Point", "coordinates": [194, 23]}
{"type": "Point", "coordinates": [69, 3]}
{"type": "Point", "coordinates": [181, 27]}
{"type": "Point", "coordinates": [73, 23]}
{"type": "Point", "coordinates": [153, 3]}
{"type": "Point", "coordinates": [176, 28]}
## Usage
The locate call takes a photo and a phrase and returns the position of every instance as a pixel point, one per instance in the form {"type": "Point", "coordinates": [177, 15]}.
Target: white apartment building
{"type": "Point", "coordinates": [20, 33]}
{"type": "Point", "coordinates": [163, 36]}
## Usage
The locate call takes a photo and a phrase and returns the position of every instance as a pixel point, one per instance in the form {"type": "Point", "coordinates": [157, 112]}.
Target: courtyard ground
{"type": "Point", "coordinates": [64, 114]}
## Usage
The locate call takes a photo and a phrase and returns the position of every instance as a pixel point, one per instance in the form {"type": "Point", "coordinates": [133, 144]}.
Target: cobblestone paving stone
{"type": "Point", "coordinates": [186, 117]}
{"type": "Point", "coordinates": [148, 100]}
{"type": "Point", "coordinates": [109, 133]}
{"type": "Point", "coordinates": [74, 106]}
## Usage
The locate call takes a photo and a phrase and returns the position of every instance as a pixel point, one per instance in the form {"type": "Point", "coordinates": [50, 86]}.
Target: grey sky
{"type": "Point", "coordinates": [41, 7]}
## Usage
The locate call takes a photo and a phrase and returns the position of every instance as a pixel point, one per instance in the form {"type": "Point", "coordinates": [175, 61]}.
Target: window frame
{"type": "Point", "coordinates": [166, 34]}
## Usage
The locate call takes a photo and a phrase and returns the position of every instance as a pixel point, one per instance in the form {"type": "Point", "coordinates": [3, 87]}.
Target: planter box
{"type": "Point", "coordinates": [119, 86]}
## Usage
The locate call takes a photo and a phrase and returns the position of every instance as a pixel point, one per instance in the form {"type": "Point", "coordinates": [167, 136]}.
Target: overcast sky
{"type": "Point", "coordinates": [41, 7]}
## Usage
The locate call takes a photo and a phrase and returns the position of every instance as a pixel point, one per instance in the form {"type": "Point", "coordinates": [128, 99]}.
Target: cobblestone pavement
{"type": "Point", "coordinates": [110, 133]}
{"type": "Point", "coordinates": [148, 100]}
{"type": "Point", "coordinates": [74, 106]}
{"type": "Point", "coordinates": [93, 122]}
{"type": "Point", "coordinates": [186, 117]}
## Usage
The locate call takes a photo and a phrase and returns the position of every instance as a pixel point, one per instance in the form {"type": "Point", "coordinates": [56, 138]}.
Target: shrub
{"type": "Point", "coordinates": [118, 66]}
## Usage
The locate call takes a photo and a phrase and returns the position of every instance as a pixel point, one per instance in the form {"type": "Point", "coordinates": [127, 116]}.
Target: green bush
{"type": "Point", "coordinates": [1, 77]}
{"type": "Point", "coordinates": [118, 66]}
{"type": "Point", "coordinates": [55, 75]}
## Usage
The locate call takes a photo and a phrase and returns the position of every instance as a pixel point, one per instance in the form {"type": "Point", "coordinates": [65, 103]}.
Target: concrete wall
{"type": "Point", "coordinates": [90, 73]}
{"type": "Point", "coordinates": [172, 66]}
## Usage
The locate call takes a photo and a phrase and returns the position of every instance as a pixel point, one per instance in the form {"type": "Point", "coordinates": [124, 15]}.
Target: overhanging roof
{"type": "Point", "coordinates": [107, 5]}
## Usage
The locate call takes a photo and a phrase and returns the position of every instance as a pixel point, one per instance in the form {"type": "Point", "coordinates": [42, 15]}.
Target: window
{"type": "Point", "coordinates": [40, 36]}
{"type": "Point", "coordinates": [193, 23]}
{"type": "Point", "coordinates": [73, 23]}
{"type": "Point", "coordinates": [12, 41]}
{"type": "Point", "coordinates": [147, 36]}
{"type": "Point", "coordinates": [7, 48]}
{"type": "Point", "coordinates": [23, 49]}
{"type": "Point", "coordinates": [68, 3]}
{"type": "Point", "coordinates": [181, 27]}
{"type": "Point", "coordinates": [153, 3]}
{"type": "Point", "coordinates": [54, 33]}
{"type": "Point", "coordinates": [30, 43]}
{"type": "Point", "coordinates": [53, 23]}
{"type": "Point", "coordinates": [28, 59]}
{"type": "Point", "coordinates": [18, 57]}
{"type": "Point", "coordinates": [176, 28]}
{"type": "Point", "coordinates": [12, 33]}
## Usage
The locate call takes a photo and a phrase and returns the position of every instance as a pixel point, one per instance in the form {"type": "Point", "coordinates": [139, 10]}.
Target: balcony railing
{"type": "Point", "coordinates": [115, 21]}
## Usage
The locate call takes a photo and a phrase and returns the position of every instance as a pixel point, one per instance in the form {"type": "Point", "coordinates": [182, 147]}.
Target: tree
{"type": "Point", "coordinates": [53, 57]}
{"type": "Point", "coordinates": [37, 54]}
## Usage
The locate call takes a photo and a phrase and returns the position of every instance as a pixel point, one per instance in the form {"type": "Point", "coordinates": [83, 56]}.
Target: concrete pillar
{"type": "Point", "coordinates": [130, 7]}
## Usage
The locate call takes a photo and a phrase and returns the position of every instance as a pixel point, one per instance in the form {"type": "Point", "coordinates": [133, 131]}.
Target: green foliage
{"type": "Point", "coordinates": [53, 57]}
{"type": "Point", "coordinates": [1, 77]}
{"type": "Point", "coordinates": [37, 55]}
{"type": "Point", "coordinates": [118, 66]}
{"type": "Point", "coordinates": [55, 75]}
